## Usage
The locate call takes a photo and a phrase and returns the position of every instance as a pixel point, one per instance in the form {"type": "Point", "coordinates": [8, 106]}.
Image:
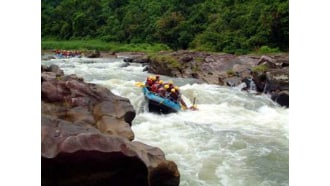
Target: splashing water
{"type": "Point", "coordinates": [235, 138]}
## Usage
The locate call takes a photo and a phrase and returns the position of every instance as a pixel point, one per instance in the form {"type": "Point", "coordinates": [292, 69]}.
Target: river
{"type": "Point", "coordinates": [234, 139]}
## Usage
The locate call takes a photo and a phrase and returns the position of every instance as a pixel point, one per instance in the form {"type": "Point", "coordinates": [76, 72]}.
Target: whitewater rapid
{"type": "Point", "coordinates": [234, 139]}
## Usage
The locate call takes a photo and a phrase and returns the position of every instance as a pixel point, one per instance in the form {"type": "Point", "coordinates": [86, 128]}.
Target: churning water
{"type": "Point", "coordinates": [234, 139]}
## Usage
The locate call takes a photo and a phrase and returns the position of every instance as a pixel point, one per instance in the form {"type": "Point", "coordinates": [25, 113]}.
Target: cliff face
{"type": "Point", "coordinates": [86, 137]}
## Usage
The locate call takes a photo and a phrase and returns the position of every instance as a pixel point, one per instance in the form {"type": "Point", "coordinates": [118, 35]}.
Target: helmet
{"type": "Point", "coordinates": [160, 81]}
{"type": "Point", "coordinates": [157, 76]}
{"type": "Point", "coordinates": [176, 88]}
{"type": "Point", "coordinates": [166, 86]}
{"type": "Point", "coordinates": [173, 90]}
{"type": "Point", "coordinates": [149, 77]}
{"type": "Point", "coordinates": [153, 78]}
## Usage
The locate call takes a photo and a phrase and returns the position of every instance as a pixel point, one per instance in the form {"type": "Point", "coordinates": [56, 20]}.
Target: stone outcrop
{"type": "Point", "coordinates": [91, 53]}
{"type": "Point", "coordinates": [270, 73]}
{"type": "Point", "coordinates": [86, 137]}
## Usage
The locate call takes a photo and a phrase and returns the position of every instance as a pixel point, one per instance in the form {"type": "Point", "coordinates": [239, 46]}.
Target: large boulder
{"type": "Point", "coordinates": [74, 154]}
{"type": "Point", "coordinates": [85, 102]}
{"type": "Point", "coordinates": [87, 137]}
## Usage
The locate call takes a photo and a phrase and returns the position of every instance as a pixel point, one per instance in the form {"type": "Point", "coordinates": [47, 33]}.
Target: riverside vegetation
{"type": "Point", "coordinates": [236, 27]}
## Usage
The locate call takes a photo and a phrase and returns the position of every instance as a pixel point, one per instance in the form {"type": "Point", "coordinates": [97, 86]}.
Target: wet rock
{"type": "Point", "coordinates": [56, 70]}
{"type": "Point", "coordinates": [86, 137]}
{"type": "Point", "coordinates": [81, 155]}
{"type": "Point", "coordinates": [233, 81]}
{"type": "Point", "coordinates": [124, 65]}
{"type": "Point", "coordinates": [220, 68]}
{"type": "Point", "coordinates": [128, 60]}
{"type": "Point", "coordinates": [92, 54]}
{"type": "Point", "coordinates": [282, 98]}
{"type": "Point", "coordinates": [137, 59]}
{"type": "Point", "coordinates": [146, 68]}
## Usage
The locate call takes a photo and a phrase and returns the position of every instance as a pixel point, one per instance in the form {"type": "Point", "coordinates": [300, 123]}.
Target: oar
{"type": "Point", "coordinates": [194, 106]}
{"type": "Point", "coordinates": [139, 84]}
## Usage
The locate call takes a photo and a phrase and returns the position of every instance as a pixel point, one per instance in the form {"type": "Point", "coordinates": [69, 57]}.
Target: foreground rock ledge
{"type": "Point", "coordinates": [86, 137]}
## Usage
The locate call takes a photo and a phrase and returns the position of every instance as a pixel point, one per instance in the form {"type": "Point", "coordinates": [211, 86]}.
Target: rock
{"type": "Point", "coordinates": [56, 70]}
{"type": "Point", "coordinates": [220, 68]}
{"type": "Point", "coordinates": [163, 174]}
{"type": "Point", "coordinates": [266, 59]}
{"type": "Point", "coordinates": [282, 98]}
{"type": "Point", "coordinates": [137, 58]}
{"type": "Point", "coordinates": [49, 92]}
{"type": "Point", "coordinates": [186, 58]}
{"type": "Point", "coordinates": [80, 115]}
{"type": "Point", "coordinates": [128, 60]}
{"type": "Point", "coordinates": [114, 126]}
{"type": "Point", "coordinates": [233, 81]}
{"type": "Point", "coordinates": [92, 54]}
{"type": "Point", "coordinates": [80, 155]}
{"type": "Point", "coordinates": [146, 68]}
{"type": "Point", "coordinates": [48, 76]}
{"type": "Point", "coordinates": [86, 137]}
{"type": "Point", "coordinates": [93, 102]}
{"type": "Point", "coordinates": [124, 65]}
{"type": "Point", "coordinates": [275, 78]}
{"type": "Point", "coordinates": [195, 75]}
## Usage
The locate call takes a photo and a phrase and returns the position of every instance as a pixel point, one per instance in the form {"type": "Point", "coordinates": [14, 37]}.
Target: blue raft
{"type": "Point", "coordinates": [160, 104]}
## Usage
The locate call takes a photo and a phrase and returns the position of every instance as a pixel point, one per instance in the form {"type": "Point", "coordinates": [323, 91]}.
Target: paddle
{"type": "Point", "coordinates": [185, 107]}
{"type": "Point", "coordinates": [139, 84]}
{"type": "Point", "coordinates": [193, 107]}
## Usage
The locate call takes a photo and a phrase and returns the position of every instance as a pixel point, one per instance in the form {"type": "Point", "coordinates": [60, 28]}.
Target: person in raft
{"type": "Point", "coordinates": [156, 86]}
{"type": "Point", "coordinates": [150, 81]}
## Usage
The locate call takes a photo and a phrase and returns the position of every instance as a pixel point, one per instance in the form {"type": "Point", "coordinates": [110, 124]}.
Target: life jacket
{"type": "Point", "coordinates": [161, 91]}
{"type": "Point", "coordinates": [150, 82]}
{"type": "Point", "coordinates": [154, 87]}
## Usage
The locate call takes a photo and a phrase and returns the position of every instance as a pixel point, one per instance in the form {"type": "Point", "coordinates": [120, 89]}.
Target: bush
{"type": "Point", "coordinates": [267, 50]}
{"type": "Point", "coordinates": [101, 45]}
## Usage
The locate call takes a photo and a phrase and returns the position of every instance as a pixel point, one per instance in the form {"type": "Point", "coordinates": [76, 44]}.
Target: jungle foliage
{"type": "Point", "coordinates": [231, 26]}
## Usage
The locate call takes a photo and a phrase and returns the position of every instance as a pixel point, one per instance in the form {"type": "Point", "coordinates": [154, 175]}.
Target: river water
{"type": "Point", "coordinates": [234, 139]}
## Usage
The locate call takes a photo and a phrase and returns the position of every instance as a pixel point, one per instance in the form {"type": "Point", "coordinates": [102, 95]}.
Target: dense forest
{"type": "Point", "coordinates": [232, 26]}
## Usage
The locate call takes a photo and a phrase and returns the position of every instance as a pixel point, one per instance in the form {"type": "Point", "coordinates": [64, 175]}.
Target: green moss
{"type": "Point", "coordinates": [196, 68]}
{"type": "Point", "coordinates": [260, 68]}
{"type": "Point", "coordinates": [230, 72]}
{"type": "Point", "coordinates": [171, 61]}
{"type": "Point", "coordinates": [199, 59]}
{"type": "Point", "coordinates": [165, 60]}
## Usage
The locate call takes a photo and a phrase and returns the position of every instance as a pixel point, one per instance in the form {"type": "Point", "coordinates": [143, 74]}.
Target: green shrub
{"type": "Point", "coordinates": [102, 45]}
{"type": "Point", "coordinates": [267, 50]}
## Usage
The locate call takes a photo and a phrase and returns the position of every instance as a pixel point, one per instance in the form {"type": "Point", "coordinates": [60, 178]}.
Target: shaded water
{"type": "Point", "coordinates": [235, 138]}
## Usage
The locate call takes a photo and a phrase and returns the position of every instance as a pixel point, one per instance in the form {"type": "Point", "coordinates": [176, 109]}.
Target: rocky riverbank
{"type": "Point", "coordinates": [268, 74]}
{"type": "Point", "coordinates": [86, 137]}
